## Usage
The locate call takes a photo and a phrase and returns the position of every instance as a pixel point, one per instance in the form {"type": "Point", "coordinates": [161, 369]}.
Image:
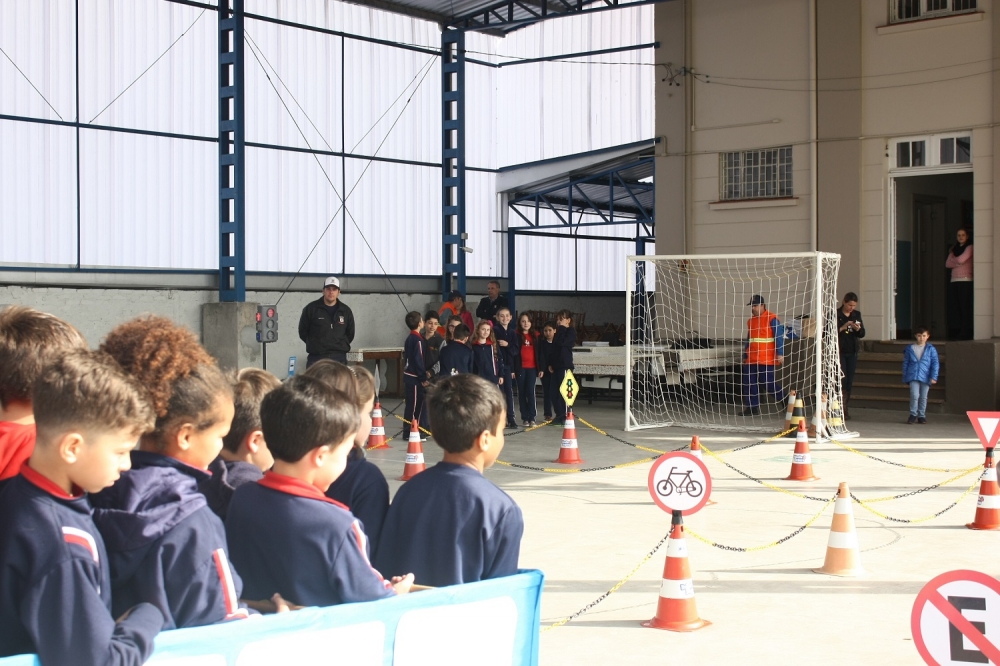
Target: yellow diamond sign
{"type": "Point", "coordinates": [569, 388]}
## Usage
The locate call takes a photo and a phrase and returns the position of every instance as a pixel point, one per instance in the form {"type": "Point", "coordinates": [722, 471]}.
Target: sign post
{"type": "Point", "coordinates": [956, 619]}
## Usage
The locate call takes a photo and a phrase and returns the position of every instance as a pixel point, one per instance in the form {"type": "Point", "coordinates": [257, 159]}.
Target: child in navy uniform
{"type": "Point", "coordinates": [55, 588]}
{"type": "Point", "coordinates": [28, 340]}
{"type": "Point", "coordinates": [560, 361]}
{"type": "Point", "coordinates": [414, 372]}
{"type": "Point", "coordinates": [507, 344]}
{"type": "Point", "coordinates": [285, 535]}
{"type": "Point", "coordinates": [244, 457]}
{"type": "Point", "coordinates": [544, 353]}
{"type": "Point", "coordinates": [362, 487]}
{"type": "Point", "coordinates": [456, 357]}
{"type": "Point", "coordinates": [449, 524]}
{"type": "Point", "coordinates": [487, 361]}
{"type": "Point", "coordinates": [165, 546]}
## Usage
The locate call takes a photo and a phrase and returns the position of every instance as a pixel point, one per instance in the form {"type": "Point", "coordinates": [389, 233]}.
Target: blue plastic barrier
{"type": "Point", "coordinates": [490, 623]}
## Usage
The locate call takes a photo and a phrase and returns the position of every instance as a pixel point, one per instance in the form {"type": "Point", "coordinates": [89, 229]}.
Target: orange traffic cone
{"type": "Point", "coordinates": [676, 610]}
{"type": "Point", "coordinates": [569, 452]}
{"type": "Point", "coordinates": [842, 557]}
{"type": "Point", "coordinates": [988, 508]}
{"type": "Point", "coordinates": [376, 438]}
{"type": "Point", "coordinates": [817, 428]}
{"type": "Point", "coordinates": [696, 452]}
{"type": "Point", "coordinates": [802, 468]}
{"type": "Point", "coordinates": [835, 421]}
{"type": "Point", "coordinates": [798, 414]}
{"type": "Point", "coordinates": [414, 454]}
{"type": "Point", "coordinates": [791, 409]}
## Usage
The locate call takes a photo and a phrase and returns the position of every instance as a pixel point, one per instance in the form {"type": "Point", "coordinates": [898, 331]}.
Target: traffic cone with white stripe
{"type": "Point", "coordinates": [569, 450]}
{"type": "Point", "coordinates": [676, 610]}
{"type": "Point", "coordinates": [414, 454]}
{"type": "Point", "coordinates": [802, 468]}
{"type": "Point", "coordinates": [696, 452]}
{"type": "Point", "coordinates": [791, 410]}
{"type": "Point", "coordinates": [988, 508]}
{"type": "Point", "coordinates": [376, 438]}
{"type": "Point", "coordinates": [798, 414]}
{"type": "Point", "coordinates": [835, 417]}
{"type": "Point", "coordinates": [817, 428]}
{"type": "Point", "coordinates": [842, 558]}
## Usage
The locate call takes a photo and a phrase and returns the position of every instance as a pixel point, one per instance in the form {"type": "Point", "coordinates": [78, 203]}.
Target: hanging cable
{"type": "Point", "coordinates": [33, 87]}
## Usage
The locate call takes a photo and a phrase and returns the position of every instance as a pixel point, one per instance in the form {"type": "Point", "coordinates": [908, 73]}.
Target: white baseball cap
{"type": "Point", "coordinates": [331, 282]}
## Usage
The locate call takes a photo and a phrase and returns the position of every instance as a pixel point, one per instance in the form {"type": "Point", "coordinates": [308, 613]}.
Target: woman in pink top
{"type": "Point", "coordinates": [960, 289]}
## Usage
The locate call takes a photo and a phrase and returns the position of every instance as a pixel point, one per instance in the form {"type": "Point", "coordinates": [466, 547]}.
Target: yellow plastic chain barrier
{"type": "Point", "coordinates": [752, 549]}
{"type": "Point", "coordinates": [889, 462]}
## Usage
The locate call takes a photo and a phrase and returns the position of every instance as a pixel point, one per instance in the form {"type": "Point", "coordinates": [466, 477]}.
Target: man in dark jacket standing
{"type": "Point", "coordinates": [327, 326]}
{"type": "Point", "coordinates": [490, 305]}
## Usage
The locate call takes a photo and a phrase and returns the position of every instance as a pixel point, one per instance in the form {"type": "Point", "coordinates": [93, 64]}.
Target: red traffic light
{"type": "Point", "coordinates": [258, 316]}
{"type": "Point", "coordinates": [270, 312]}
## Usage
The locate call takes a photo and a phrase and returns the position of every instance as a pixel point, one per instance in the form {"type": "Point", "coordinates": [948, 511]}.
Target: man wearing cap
{"type": "Point", "coordinates": [764, 351]}
{"type": "Point", "coordinates": [490, 305]}
{"type": "Point", "coordinates": [327, 326]}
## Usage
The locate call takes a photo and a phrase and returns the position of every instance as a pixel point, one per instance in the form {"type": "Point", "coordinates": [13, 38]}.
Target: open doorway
{"type": "Point", "coordinates": [929, 212]}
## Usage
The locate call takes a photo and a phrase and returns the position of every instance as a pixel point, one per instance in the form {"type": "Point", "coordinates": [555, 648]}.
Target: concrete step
{"type": "Point", "coordinates": [886, 386]}
{"type": "Point", "coordinates": [895, 403]}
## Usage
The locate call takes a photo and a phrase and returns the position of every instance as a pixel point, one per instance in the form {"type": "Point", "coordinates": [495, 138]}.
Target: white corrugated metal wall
{"type": "Point", "coordinates": [151, 202]}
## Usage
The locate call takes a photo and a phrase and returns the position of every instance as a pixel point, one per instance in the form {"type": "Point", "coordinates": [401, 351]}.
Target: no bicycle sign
{"type": "Point", "coordinates": [956, 619]}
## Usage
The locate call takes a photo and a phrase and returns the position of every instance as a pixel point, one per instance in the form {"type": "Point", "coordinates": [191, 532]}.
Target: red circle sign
{"type": "Point", "coordinates": [679, 482]}
{"type": "Point", "coordinates": [956, 619]}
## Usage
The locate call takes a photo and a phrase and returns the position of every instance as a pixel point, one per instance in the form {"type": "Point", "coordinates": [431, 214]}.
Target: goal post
{"type": "Point", "coordinates": [719, 341]}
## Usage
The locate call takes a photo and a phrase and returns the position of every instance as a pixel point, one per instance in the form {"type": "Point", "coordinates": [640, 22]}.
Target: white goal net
{"type": "Point", "coordinates": [719, 341]}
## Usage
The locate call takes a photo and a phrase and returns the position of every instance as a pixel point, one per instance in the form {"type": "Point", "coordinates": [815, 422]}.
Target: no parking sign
{"type": "Point", "coordinates": [956, 619]}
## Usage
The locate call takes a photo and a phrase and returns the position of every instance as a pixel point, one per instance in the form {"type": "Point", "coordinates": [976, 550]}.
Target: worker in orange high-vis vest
{"type": "Point", "coordinates": [764, 351]}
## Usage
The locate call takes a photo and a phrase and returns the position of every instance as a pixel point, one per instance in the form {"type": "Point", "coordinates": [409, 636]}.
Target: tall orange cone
{"type": "Point", "coordinates": [798, 414]}
{"type": "Point", "coordinates": [414, 454]}
{"type": "Point", "coordinates": [676, 610]}
{"type": "Point", "coordinates": [988, 508]}
{"type": "Point", "coordinates": [790, 410]}
{"type": "Point", "coordinates": [569, 451]}
{"type": "Point", "coordinates": [802, 468]}
{"type": "Point", "coordinates": [817, 428]}
{"type": "Point", "coordinates": [376, 438]}
{"type": "Point", "coordinates": [842, 558]}
{"type": "Point", "coordinates": [696, 452]}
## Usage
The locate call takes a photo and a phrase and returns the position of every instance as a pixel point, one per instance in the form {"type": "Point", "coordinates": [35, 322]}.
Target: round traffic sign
{"type": "Point", "coordinates": [679, 482]}
{"type": "Point", "coordinates": [956, 619]}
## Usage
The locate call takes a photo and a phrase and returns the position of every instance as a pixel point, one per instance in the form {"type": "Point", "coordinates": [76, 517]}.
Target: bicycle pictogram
{"type": "Point", "coordinates": [686, 485]}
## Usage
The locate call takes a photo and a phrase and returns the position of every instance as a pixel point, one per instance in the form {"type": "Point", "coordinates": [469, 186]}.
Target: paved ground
{"type": "Point", "coordinates": [587, 531]}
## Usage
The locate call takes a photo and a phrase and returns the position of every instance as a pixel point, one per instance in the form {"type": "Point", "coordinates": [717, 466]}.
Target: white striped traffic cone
{"type": "Point", "coordinates": [676, 609]}
{"type": "Point", "coordinates": [376, 438]}
{"type": "Point", "coordinates": [790, 410]}
{"type": "Point", "coordinates": [988, 508]}
{"type": "Point", "coordinates": [414, 454]}
{"type": "Point", "coordinates": [842, 557]}
{"type": "Point", "coordinates": [802, 468]}
{"type": "Point", "coordinates": [569, 450]}
{"type": "Point", "coordinates": [817, 428]}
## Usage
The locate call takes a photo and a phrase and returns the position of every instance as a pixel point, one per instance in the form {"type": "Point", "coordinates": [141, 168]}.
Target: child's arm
{"type": "Point", "coordinates": [935, 365]}
{"type": "Point", "coordinates": [353, 576]}
{"type": "Point", "coordinates": [504, 546]}
{"type": "Point", "coordinates": [69, 623]}
{"type": "Point", "coordinates": [906, 363]}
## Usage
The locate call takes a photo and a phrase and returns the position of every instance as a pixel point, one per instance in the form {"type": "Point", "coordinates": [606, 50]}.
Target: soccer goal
{"type": "Point", "coordinates": [719, 341]}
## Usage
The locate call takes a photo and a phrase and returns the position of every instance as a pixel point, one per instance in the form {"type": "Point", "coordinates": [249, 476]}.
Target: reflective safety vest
{"type": "Point", "coordinates": [761, 345]}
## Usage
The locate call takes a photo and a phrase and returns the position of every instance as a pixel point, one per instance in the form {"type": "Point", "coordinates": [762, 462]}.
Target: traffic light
{"type": "Point", "coordinates": [267, 323]}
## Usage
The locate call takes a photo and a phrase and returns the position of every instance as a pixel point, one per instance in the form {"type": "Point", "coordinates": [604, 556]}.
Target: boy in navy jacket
{"type": "Point", "coordinates": [561, 360]}
{"type": "Point", "coordinates": [55, 587]}
{"type": "Point", "coordinates": [285, 535]}
{"type": "Point", "coordinates": [414, 371]}
{"type": "Point", "coordinates": [244, 457]}
{"type": "Point", "coordinates": [543, 353]}
{"type": "Point", "coordinates": [449, 524]}
{"type": "Point", "coordinates": [456, 357]}
{"type": "Point", "coordinates": [511, 350]}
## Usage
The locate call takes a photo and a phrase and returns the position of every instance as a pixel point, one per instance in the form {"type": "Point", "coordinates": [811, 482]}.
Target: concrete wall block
{"type": "Point", "coordinates": [982, 196]}
{"type": "Point", "coordinates": [974, 374]}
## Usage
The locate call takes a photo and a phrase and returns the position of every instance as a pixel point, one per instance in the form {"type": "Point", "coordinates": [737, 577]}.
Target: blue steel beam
{"type": "Point", "coordinates": [232, 154]}
{"type": "Point", "coordinates": [508, 15]}
{"type": "Point", "coordinates": [452, 161]}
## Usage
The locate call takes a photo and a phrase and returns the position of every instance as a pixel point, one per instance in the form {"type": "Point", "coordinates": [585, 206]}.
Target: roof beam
{"type": "Point", "coordinates": [502, 15]}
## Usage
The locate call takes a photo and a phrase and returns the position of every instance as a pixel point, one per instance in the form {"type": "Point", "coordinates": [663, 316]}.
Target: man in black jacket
{"type": "Point", "coordinates": [327, 326]}
{"type": "Point", "coordinates": [490, 305]}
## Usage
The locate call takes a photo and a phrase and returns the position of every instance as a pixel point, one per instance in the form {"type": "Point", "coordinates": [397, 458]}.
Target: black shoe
{"type": "Point", "coordinates": [512, 426]}
{"type": "Point", "coordinates": [559, 421]}
{"type": "Point", "coordinates": [921, 421]}
{"type": "Point", "coordinates": [911, 420]}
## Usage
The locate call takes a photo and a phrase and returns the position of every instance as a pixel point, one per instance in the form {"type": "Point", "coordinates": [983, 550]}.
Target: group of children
{"type": "Point", "coordinates": [500, 353]}
{"type": "Point", "coordinates": [244, 494]}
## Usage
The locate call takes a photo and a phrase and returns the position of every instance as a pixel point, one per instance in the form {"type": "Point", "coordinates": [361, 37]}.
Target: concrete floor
{"type": "Point", "coordinates": [588, 531]}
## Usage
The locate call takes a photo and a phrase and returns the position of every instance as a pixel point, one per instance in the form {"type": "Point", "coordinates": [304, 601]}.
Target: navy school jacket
{"type": "Point", "coordinates": [413, 355]}
{"type": "Point", "coordinates": [512, 352]}
{"type": "Point", "coordinates": [456, 358]}
{"type": "Point", "coordinates": [562, 348]}
{"type": "Point", "coordinates": [288, 537]}
{"type": "Point", "coordinates": [543, 355]}
{"type": "Point", "coordinates": [227, 476]}
{"type": "Point", "coordinates": [450, 525]}
{"type": "Point", "coordinates": [362, 488]}
{"type": "Point", "coordinates": [165, 546]}
{"type": "Point", "coordinates": [487, 363]}
{"type": "Point", "coordinates": [55, 590]}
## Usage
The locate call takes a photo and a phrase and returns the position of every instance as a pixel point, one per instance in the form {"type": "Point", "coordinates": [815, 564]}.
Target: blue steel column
{"type": "Point", "coordinates": [232, 167]}
{"type": "Point", "coordinates": [452, 161]}
{"type": "Point", "coordinates": [511, 265]}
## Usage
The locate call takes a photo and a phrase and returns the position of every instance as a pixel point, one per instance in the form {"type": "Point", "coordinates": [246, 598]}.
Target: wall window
{"type": "Point", "coordinates": [932, 151]}
{"type": "Point", "coordinates": [912, 10]}
{"type": "Point", "coordinates": [755, 174]}
{"type": "Point", "coordinates": [956, 150]}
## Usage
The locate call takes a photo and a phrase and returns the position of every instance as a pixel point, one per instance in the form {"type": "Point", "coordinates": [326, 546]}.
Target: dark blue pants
{"type": "Point", "coordinates": [754, 375]}
{"type": "Point", "coordinates": [558, 404]}
{"type": "Point", "coordinates": [547, 394]}
{"type": "Point", "coordinates": [508, 393]}
{"type": "Point", "coordinates": [526, 393]}
{"type": "Point", "coordinates": [333, 356]}
{"type": "Point", "coordinates": [414, 396]}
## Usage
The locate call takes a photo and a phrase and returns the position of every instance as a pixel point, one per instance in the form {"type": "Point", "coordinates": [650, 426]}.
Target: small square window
{"type": "Point", "coordinates": [903, 154]}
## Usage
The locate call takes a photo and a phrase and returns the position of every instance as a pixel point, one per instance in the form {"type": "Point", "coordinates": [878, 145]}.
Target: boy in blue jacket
{"type": "Point", "coordinates": [456, 356]}
{"type": "Point", "coordinates": [414, 371]}
{"type": "Point", "coordinates": [55, 586]}
{"type": "Point", "coordinates": [508, 345]}
{"type": "Point", "coordinates": [449, 524]}
{"type": "Point", "coordinates": [920, 370]}
{"type": "Point", "coordinates": [285, 535]}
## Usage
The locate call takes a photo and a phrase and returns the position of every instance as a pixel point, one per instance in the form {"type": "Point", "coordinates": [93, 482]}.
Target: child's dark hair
{"type": "Point", "coordinates": [461, 332]}
{"type": "Point", "coordinates": [431, 314]}
{"type": "Point", "coordinates": [850, 297]}
{"type": "Point", "coordinates": [564, 314]}
{"type": "Point", "coordinates": [412, 320]}
{"type": "Point", "coordinates": [461, 407]}
{"type": "Point", "coordinates": [181, 378]}
{"type": "Point", "coordinates": [86, 390]}
{"type": "Point", "coordinates": [29, 340]}
{"type": "Point", "coordinates": [550, 324]}
{"type": "Point", "coordinates": [921, 329]}
{"type": "Point", "coordinates": [335, 375]}
{"type": "Point", "coordinates": [251, 385]}
{"type": "Point", "coordinates": [306, 413]}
